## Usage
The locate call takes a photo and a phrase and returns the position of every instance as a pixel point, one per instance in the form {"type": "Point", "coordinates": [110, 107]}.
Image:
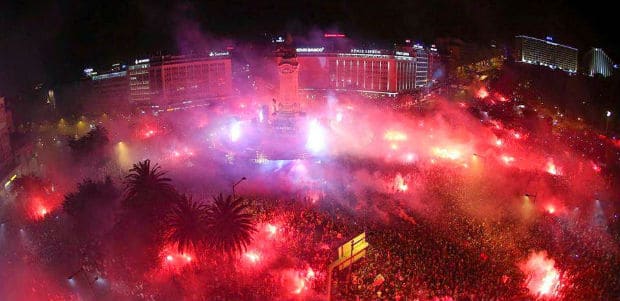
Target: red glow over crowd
{"type": "Point", "coordinates": [463, 200]}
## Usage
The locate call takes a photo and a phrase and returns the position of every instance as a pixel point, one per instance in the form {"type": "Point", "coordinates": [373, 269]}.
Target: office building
{"type": "Point", "coordinates": [162, 83]}
{"type": "Point", "coordinates": [367, 71]}
{"type": "Point", "coordinates": [546, 53]}
{"type": "Point", "coordinates": [109, 89]}
{"type": "Point", "coordinates": [176, 82]}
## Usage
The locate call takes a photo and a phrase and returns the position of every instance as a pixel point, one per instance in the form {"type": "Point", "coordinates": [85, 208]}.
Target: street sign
{"type": "Point", "coordinates": [353, 246]}
{"type": "Point", "coordinates": [350, 260]}
{"type": "Point", "coordinates": [351, 251]}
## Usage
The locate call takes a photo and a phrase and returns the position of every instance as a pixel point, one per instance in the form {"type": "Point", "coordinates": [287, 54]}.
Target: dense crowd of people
{"type": "Point", "coordinates": [437, 230]}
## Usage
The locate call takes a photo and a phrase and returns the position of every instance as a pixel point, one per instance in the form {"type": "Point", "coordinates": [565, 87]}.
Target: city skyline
{"type": "Point", "coordinates": [53, 40]}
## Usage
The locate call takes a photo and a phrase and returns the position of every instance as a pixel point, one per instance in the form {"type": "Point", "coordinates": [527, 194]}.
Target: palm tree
{"type": "Point", "coordinates": [147, 187]}
{"type": "Point", "coordinates": [149, 197]}
{"type": "Point", "coordinates": [230, 226]}
{"type": "Point", "coordinates": [186, 224]}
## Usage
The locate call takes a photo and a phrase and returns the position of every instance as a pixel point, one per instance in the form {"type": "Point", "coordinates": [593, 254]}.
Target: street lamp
{"type": "Point", "coordinates": [608, 115]}
{"type": "Point", "coordinates": [83, 272]}
{"type": "Point", "coordinates": [234, 185]}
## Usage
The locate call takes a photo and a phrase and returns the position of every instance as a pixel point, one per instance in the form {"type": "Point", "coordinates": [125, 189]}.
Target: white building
{"type": "Point", "coordinates": [597, 62]}
{"type": "Point", "coordinates": [546, 53]}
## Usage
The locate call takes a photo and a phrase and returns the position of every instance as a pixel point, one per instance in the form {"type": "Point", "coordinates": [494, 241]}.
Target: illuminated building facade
{"type": "Point", "coordinates": [546, 53]}
{"type": "Point", "coordinates": [164, 83]}
{"type": "Point", "coordinates": [144, 82]}
{"type": "Point", "coordinates": [191, 79]}
{"type": "Point", "coordinates": [370, 71]}
{"type": "Point", "coordinates": [597, 62]}
{"type": "Point", "coordinates": [174, 82]}
{"type": "Point", "coordinates": [421, 66]}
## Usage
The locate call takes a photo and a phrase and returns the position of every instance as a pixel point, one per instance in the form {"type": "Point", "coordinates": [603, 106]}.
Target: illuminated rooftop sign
{"type": "Point", "coordinates": [142, 61]}
{"type": "Point", "coordinates": [219, 53]}
{"type": "Point", "coordinates": [110, 75]}
{"type": "Point", "coordinates": [89, 71]}
{"type": "Point", "coordinates": [334, 35]}
{"type": "Point", "coordinates": [316, 49]}
{"type": "Point", "coordinates": [366, 51]}
{"type": "Point", "coordinates": [546, 41]}
{"type": "Point", "coordinates": [402, 53]}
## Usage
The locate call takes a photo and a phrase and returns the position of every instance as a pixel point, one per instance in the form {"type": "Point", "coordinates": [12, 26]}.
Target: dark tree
{"type": "Point", "coordinates": [186, 225]}
{"type": "Point", "coordinates": [230, 225]}
{"type": "Point", "coordinates": [147, 187]}
{"type": "Point", "coordinates": [92, 207]}
{"type": "Point", "coordinates": [91, 143]}
{"type": "Point", "coordinates": [139, 232]}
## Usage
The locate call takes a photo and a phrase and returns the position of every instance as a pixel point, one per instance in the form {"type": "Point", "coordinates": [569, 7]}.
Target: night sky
{"type": "Point", "coordinates": [52, 41]}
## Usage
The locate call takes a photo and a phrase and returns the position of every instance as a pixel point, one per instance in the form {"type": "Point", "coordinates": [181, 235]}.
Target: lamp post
{"type": "Point", "coordinates": [83, 272]}
{"type": "Point", "coordinates": [234, 185]}
{"type": "Point", "coordinates": [608, 115]}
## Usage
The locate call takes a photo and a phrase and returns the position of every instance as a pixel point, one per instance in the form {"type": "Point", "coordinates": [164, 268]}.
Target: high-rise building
{"type": "Point", "coordinates": [421, 66]}
{"type": "Point", "coordinates": [597, 62]}
{"type": "Point", "coordinates": [546, 53]}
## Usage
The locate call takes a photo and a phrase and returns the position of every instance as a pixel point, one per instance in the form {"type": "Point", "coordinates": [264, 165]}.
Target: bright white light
{"type": "Point", "coordinates": [272, 229]}
{"type": "Point", "coordinates": [339, 117]}
{"type": "Point", "coordinates": [235, 131]}
{"type": "Point", "coordinates": [451, 154]}
{"type": "Point", "coordinates": [507, 159]}
{"type": "Point", "coordinates": [310, 273]}
{"type": "Point", "coordinates": [252, 256]}
{"type": "Point", "coordinates": [608, 114]}
{"type": "Point", "coordinates": [316, 137]}
{"type": "Point", "coordinates": [392, 135]}
{"type": "Point", "coordinates": [410, 157]}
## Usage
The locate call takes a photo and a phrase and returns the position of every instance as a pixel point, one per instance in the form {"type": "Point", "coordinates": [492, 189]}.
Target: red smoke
{"type": "Point", "coordinates": [542, 278]}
